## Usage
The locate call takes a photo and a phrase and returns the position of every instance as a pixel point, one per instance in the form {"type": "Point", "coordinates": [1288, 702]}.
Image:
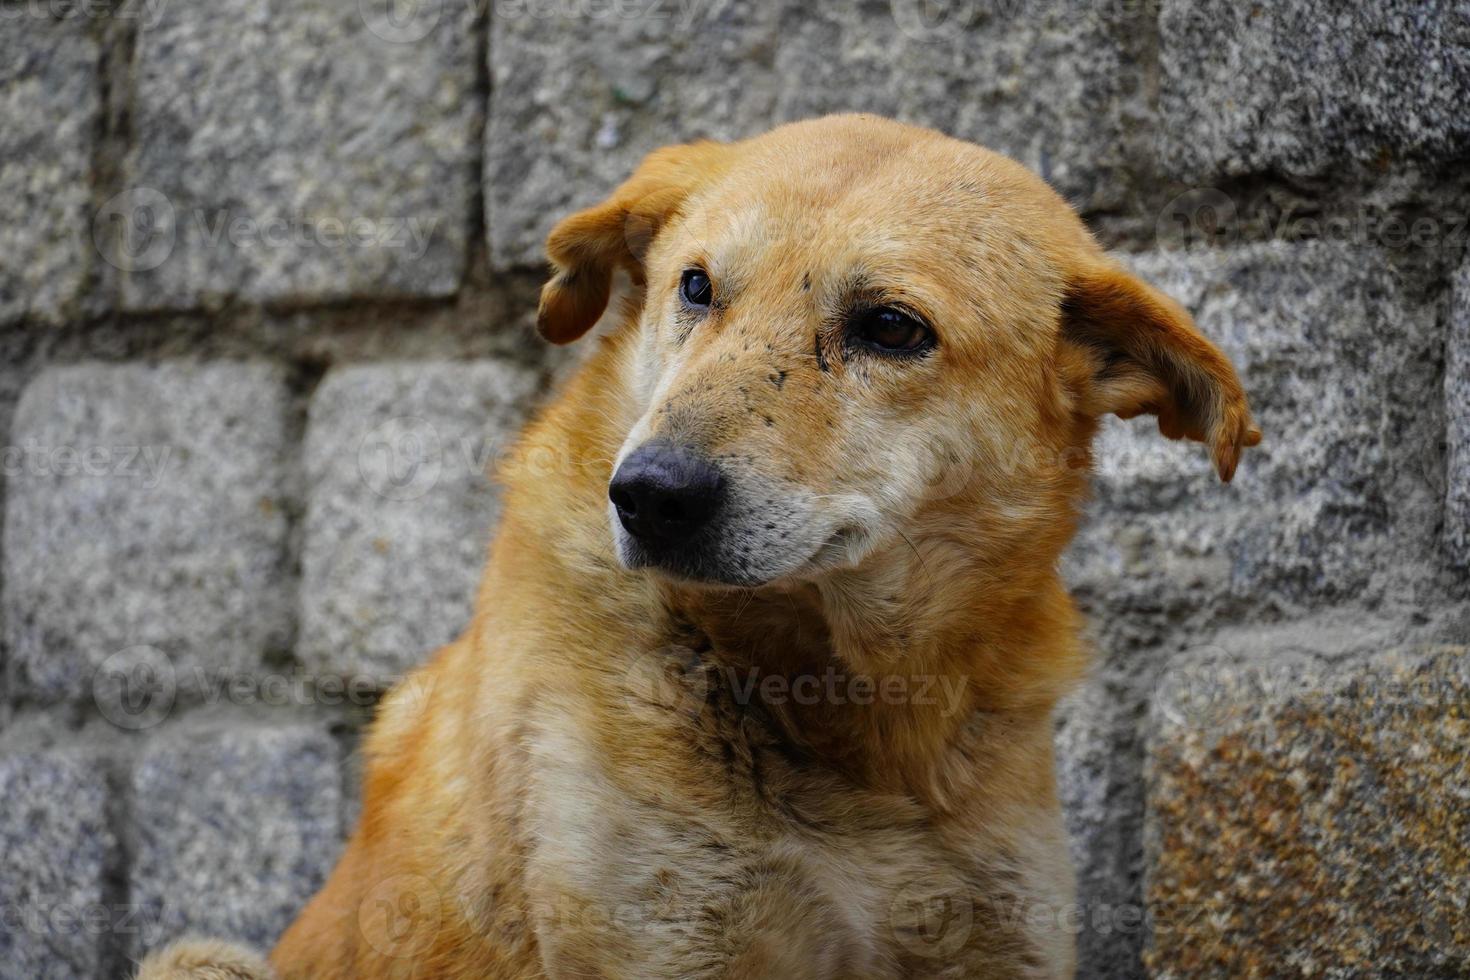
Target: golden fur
{"type": "Point", "coordinates": [612, 773]}
{"type": "Point", "coordinates": [205, 959]}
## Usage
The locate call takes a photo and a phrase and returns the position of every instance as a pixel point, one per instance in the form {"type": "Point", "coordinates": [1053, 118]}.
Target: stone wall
{"type": "Point", "coordinates": [265, 278]}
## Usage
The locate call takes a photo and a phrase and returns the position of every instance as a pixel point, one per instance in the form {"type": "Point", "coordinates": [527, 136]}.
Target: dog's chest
{"type": "Point", "coordinates": [699, 847]}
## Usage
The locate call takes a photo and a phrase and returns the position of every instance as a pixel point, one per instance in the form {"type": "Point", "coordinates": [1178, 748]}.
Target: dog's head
{"type": "Point", "coordinates": [852, 333]}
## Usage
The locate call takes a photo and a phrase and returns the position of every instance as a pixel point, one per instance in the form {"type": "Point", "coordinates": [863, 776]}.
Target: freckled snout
{"type": "Point", "coordinates": [664, 494]}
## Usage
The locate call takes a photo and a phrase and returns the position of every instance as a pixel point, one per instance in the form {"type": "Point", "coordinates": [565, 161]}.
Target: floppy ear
{"type": "Point", "coordinates": [588, 246]}
{"type": "Point", "coordinates": [1129, 349]}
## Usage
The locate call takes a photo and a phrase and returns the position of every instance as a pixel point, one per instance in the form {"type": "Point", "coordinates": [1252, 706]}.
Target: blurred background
{"type": "Point", "coordinates": [267, 271]}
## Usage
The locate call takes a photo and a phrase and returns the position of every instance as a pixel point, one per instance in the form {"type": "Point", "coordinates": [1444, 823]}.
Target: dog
{"type": "Point", "coordinates": [760, 678]}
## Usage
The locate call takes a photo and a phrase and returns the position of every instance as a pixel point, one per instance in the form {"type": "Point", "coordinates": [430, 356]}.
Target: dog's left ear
{"type": "Point", "coordinates": [1128, 349]}
{"type": "Point", "coordinates": [585, 248]}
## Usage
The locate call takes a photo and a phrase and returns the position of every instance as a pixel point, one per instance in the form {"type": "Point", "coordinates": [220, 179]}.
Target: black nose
{"type": "Point", "coordinates": [664, 493]}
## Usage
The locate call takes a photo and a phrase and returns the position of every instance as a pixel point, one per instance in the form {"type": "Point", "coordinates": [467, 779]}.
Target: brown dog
{"type": "Point", "coordinates": [760, 678]}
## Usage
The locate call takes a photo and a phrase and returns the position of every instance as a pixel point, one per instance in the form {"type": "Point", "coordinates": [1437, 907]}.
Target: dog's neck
{"type": "Point", "coordinates": [897, 670]}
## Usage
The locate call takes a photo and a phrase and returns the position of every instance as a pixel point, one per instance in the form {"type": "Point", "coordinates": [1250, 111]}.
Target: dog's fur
{"type": "Point", "coordinates": [628, 773]}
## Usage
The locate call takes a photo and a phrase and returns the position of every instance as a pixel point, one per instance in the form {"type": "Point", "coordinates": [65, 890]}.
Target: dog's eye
{"type": "Point", "coordinates": [696, 288]}
{"type": "Point", "coordinates": [891, 331]}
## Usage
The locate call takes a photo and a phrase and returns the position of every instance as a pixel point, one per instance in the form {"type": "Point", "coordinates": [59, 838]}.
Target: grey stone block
{"type": "Point", "coordinates": [146, 530]}
{"type": "Point", "coordinates": [1091, 775]}
{"type": "Point", "coordinates": [1081, 735]}
{"type": "Point", "coordinates": [236, 829]}
{"type": "Point", "coordinates": [1305, 87]}
{"type": "Point", "coordinates": [1339, 358]}
{"type": "Point", "coordinates": [400, 508]}
{"type": "Point", "coordinates": [1457, 417]}
{"type": "Point", "coordinates": [56, 851]}
{"type": "Point", "coordinates": [309, 152]}
{"type": "Point", "coordinates": [1307, 815]}
{"type": "Point", "coordinates": [49, 110]}
{"type": "Point", "coordinates": [578, 98]}
{"type": "Point", "coordinates": [1056, 85]}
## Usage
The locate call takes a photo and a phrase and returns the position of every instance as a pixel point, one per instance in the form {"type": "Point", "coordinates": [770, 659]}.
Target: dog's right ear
{"type": "Point", "coordinates": [588, 246]}
{"type": "Point", "coordinates": [1128, 349]}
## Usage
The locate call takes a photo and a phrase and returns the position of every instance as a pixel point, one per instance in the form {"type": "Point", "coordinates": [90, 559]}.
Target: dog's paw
{"type": "Point", "coordinates": [204, 959]}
